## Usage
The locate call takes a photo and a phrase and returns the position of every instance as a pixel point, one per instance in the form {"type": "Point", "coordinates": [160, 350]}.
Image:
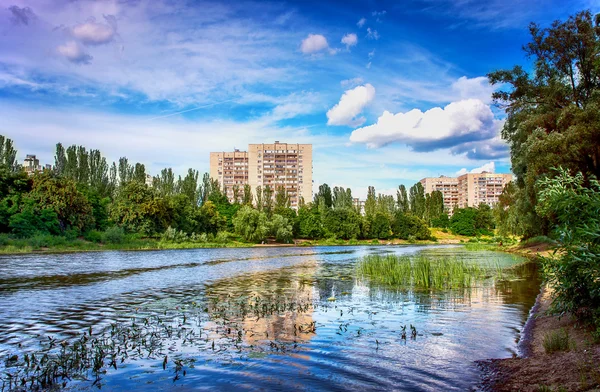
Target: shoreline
{"type": "Point", "coordinates": [575, 369]}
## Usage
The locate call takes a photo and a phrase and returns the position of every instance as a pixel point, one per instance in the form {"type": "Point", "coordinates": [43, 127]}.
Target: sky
{"type": "Point", "coordinates": [388, 92]}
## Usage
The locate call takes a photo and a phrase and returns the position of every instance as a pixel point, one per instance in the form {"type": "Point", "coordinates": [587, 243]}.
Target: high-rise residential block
{"type": "Point", "coordinates": [274, 165]}
{"type": "Point", "coordinates": [31, 164]}
{"type": "Point", "coordinates": [468, 190]}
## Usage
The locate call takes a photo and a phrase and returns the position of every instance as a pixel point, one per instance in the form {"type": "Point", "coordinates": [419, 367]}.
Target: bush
{"type": "Point", "coordinates": [406, 225]}
{"type": "Point", "coordinates": [4, 240]}
{"type": "Point", "coordinates": [93, 236]}
{"type": "Point", "coordinates": [223, 237]}
{"type": "Point", "coordinates": [113, 235]}
{"type": "Point", "coordinates": [557, 340]}
{"type": "Point", "coordinates": [71, 234]}
{"type": "Point", "coordinates": [174, 236]}
{"type": "Point", "coordinates": [574, 270]}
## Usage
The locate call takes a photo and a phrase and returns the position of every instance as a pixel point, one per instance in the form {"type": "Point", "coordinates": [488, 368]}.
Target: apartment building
{"type": "Point", "coordinates": [31, 164]}
{"type": "Point", "coordinates": [447, 185]}
{"type": "Point", "coordinates": [275, 165]}
{"type": "Point", "coordinates": [468, 190]}
{"type": "Point", "coordinates": [477, 188]}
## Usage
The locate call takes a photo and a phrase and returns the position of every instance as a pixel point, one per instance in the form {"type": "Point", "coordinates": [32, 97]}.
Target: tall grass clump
{"type": "Point", "coordinates": [557, 340]}
{"type": "Point", "coordinates": [420, 271]}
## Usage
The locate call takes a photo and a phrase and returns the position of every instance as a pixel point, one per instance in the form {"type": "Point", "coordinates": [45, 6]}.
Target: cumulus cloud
{"type": "Point", "coordinates": [21, 15]}
{"type": "Point", "coordinates": [314, 43]}
{"type": "Point", "coordinates": [372, 34]}
{"type": "Point", "coordinates": [349, 40]}
{"type": "Point", "coordinates": [489, 167]}
{"type": "Point", "coordinates": [457, 123]}
{"type": "Point", "coordinates": [73, 52]}
{"type": "Point", "coordinates": [361, 22]}
{"type": "Point", "coordinates": [350, 106]}
{"type": "Point", "coordinates": [96, 33]}
{"type": "Point", "coordinates": [477, 88]}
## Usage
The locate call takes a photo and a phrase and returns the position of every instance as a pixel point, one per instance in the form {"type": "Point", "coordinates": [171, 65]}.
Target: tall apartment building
{"type": "Point", "coordinates": [275, 165]}
{"type": "Point", "coordinates": [31, 164]}
{"type": "Point", "coordinates": [468, 190]}
{"type": "Point", "coordinates": [447, 185]}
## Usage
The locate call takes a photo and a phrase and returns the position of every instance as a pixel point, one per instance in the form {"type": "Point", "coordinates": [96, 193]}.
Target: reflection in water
{"type": "Point", "coordinates": [270, 318]}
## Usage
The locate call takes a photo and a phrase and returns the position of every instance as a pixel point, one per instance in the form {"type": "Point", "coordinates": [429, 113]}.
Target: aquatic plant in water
{"type": "Point", "coordinates": [421, 272]}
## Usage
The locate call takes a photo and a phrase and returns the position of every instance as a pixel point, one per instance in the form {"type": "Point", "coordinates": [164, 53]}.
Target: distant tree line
{"type": "Point", "coordinates": [85, 195]}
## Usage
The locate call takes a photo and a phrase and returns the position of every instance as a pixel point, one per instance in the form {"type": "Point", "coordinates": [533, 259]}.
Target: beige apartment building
{"type": "Point", "coordinates": [275, 165]}
{"type": "Point", "coordinates": [468, 190]}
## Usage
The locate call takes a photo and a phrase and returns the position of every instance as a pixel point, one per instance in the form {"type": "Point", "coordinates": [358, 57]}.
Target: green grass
{"type": "Point", "coordinates": [421, 271]}
{"type": "Point", "coordinates": [541, 239]}
{"type": "Point", "coordinates": [557, 340]}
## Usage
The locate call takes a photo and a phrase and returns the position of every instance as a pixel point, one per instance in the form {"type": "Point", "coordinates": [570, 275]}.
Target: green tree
{"type": "Point", "coordinates": [381, 226]}
{"type": "Point", "coordinates": [139, 209]}
{"type": "Point", "coordinates": [251, 224]}
{"type": "Point", "coordinates": [342, 223]}
{"type": "Point", "coordinates": [309, 222]}
{"type": "Point", "coordinates": [8, 154]}
{"type": "Point", "coordinates": [407, 226]}
{"type": "Point", "coordinates": [282, 199]}
{"type": "Point", "coordinates": [324, 196]}
{"type": "Point", "coordinates": [165, 182]}
{"type": "Point", "coordinates": [247, 195]}
{"type": "Point", "coordinates": [402, 199]}
{"type": "Point", "coordinates": [370, 203]}
{"type": "Point", "coordinates": [553, 114]}
{"type": "Point", "coordinates": [281, 229]}
{"type": "Point", "coordinates": [417, 200]}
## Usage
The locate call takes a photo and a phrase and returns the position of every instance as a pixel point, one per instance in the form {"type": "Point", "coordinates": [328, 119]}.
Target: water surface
{"type": "Point", "coordinates": [269, 318]}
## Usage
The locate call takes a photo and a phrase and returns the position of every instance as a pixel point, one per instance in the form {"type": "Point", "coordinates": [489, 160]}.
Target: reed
{"type": "Point", "coordinates": [421, 271]}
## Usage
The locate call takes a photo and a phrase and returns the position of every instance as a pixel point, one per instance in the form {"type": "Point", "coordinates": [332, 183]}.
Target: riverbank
{"type": "Point", "coordinates": [558, 353]}
{"type": "Point", "coordinates": [61, 245]}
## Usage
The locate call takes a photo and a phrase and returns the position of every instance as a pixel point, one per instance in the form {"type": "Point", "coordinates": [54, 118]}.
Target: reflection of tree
{"type": "Point", "coordinates": [268, 306]}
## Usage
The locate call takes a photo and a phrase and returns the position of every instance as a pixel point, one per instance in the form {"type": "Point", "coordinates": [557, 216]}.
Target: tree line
{"type": "Point", "coordinates": [84, 195]}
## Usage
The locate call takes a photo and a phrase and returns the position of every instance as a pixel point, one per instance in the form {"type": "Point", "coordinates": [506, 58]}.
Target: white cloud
{"type": "Point", "coordinates": [361, 22]}
{"type": "Point", "coordinates": [350, 106]}
{"type": "Point", "coordinates": [349, 40]}
{"type": "Point", "coordinates": [313, 43]}
{"type": "Point", "coordinates": [73, 52]}
{"type": "Point", "coordinates": [371, 54]}
{"type": "Point", "coordinates": [368, 66]}
{"type": "Point", "coordinates": [456, 123]}
{"type": "Point", "coordinates": [477, 88]}
{"type": "Point", "coordinates": [489, 167]}
{"type": "Point", "coordinates": [95, 33]}
{"type": "Point", "coordinates": [378, 13]}
{"type": "Point", "coordinates": [372, 34]}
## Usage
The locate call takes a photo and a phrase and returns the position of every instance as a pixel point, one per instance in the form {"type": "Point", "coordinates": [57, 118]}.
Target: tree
{"type": "Point", "coordinates": [268, 200]}
{"type": "Point", "coordinates": [407, 226]}
{"type": "Point", "coordinates": [139, 209]}
{"type": "Point", "coordinates": [309, 220]}
{"type": "Point", "coordinates": [402, 199]}
{"type": "Point", "coordinates": [188, 186]}
{"type": "Point", "coordinates": [281, 229]}
{"type": "Point", "coordinates": [251, 224]}
{"type": "Point", "coordinates": [463, 221]}
{"type": "Point", "coordinates": [259, 198]}
{"type": "Point", "coordinates": [342, 223]}
{"type": "Point", "coordinates": [417, 200]}
{"type": "Point", "coordinates": [282, 199]}
{"type": "Point", "coordinates": [210, 221]}
{"type": "Point", "coordinates": [165, 182]}
{"type": "Point", "coordinates": [370, 203]}
{"type": "Point", "coordinates": [435, 215]}
{"type": "Point", "coordinates": [553, 115]}
{"type": "Point", "coordinates": [8, 154]}
{"type": "Point", "coordinates": [342, 198]}
{"type": "Point", "coordinates": [247, 195]}
{"type": "Point", "coordinates": [505, 211]}
{"type": "Point", "coordinates": [236, 194]}
{"type": "Point", "coordinates": [324, 196]}
{"type": "Point", "coordinates": [61, 195]}
{"type": "Point", "coordinates": [381, 226]}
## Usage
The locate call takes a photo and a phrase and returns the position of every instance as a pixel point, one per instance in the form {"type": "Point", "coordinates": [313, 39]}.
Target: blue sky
{"type": "Point", "coordinates": [388, 92]}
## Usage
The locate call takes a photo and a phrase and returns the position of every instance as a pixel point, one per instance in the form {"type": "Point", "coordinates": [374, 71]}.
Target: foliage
{"type": "Point", "coordinates": [251, 224]}
{"type": "Point", "coordinates": [574, 269]}
{"type": "Point", "coordinates": [554, 113]}
{"type": "Point", "coordinates": [309, 222]}
{"type": "Point", "coordinates": [113, 235]}
{"type": "Point", "coordinates": [281, 229]}
{"type": "Point", "coordinates": [342, 223]}
{"type": "Point", "coordinates": [557, 340]}
{"type": "Point", "coordinates": [139, 209]}
{"type": "Point", "coordinates": [381, 226]}
{"type": "Point", "coordinates": [408, 225]}
{"type": "Point", "coordinates": [472, 221]}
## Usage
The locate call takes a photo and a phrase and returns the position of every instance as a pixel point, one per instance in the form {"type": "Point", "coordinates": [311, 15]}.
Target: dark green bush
{"type": "Point", "coordinates": [113, 235]}
{"type": "Point", "coordinates": [93, 236]}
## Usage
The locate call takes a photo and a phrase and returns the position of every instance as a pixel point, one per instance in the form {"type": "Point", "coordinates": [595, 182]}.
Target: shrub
{"type": "Point", "coordinates": [557, 340]}
{"type": "Point", "coordinates": [223, 237]}
{"type": "Point", "coordinates": [113, 235]}
{"type": "Point", "coordinates": [406, 225]}
{"type": "Point", "coordinates": [93, 236]}
{"type": "Point", "coordinates": [174, 236]}
{"type": "Point", "coordinates": [71, 234]}
{"type": "Point", "coordinates": [4, 240]}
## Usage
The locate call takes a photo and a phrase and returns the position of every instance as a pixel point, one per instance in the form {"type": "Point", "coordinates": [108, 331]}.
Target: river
{"type": "Point", "coordinates": [267, 318]}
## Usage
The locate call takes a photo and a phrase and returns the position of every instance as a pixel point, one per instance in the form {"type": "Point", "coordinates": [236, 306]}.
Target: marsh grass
{"type": "Point", "coordinates": [421, 271]}
{"type": "Point", "coordinates": [557, 340]}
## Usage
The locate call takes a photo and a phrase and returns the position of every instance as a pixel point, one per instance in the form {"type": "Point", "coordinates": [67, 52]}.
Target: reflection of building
{"type": "Point", "coordinates": [277, 305]}
{"type": "Point", "coordinates": [468, 190]}
{"type": "Point", "coordinates": [274, 165]}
